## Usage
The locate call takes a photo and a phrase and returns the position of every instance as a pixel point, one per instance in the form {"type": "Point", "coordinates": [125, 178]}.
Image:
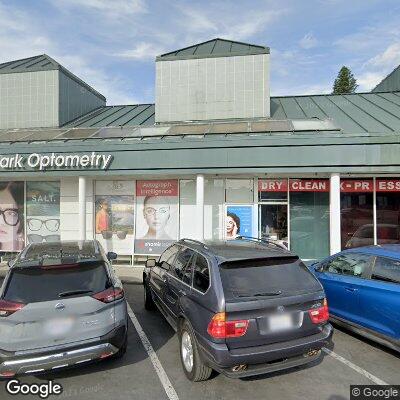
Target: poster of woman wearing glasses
{"type": "Point", "coordinates": [11, 216]}
{"type": "Point", "coordinates": [114, 215]}
{"type": "Point", "coordinates": [157, 222]}
{"type": "Point", "coordinates": [42, 212]}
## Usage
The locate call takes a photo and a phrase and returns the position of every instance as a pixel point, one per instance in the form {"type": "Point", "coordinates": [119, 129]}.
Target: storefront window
{"type": "Point", "coordinates": [115, 215]}
{"type": "Point", "coordinates": [187, 208]}
{"type": "Point", "coordinates": [309, 218]}
{"type": "Point", "coordinates": [214, 197]}
{"type": "Point", "coordinates": [388, 210]}
{"type": "Point", "coordinates": [239, 191]}
{"type": "Point", "coordinates": [356, 203]}
{"type": "Point", "coordinates": [42, 212]}
{"type": "Point", "coordinates": [272, 212]}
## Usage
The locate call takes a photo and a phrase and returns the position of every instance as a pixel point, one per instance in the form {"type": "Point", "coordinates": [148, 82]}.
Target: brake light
{"type": "Point", "coordinates": [110, 295]}
{"type": "Point", "coordinates": [220, 328]}
{"type": "Point", "coordinates": [9, 307]}
{"type": "Point", "coordinates": [319, 315]}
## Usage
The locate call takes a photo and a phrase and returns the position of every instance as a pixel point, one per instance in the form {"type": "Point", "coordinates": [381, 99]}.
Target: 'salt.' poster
{"type": "Point", "coordinates": [12, 216]}
{"type": "Point", "coordinates": [239, 221]}
{"type": "Point", "coordinates": [157, 215]}
{"type": "Point", "coordinates": [42, 212]}
{"type": "Point", "coordinates": [115, 215]}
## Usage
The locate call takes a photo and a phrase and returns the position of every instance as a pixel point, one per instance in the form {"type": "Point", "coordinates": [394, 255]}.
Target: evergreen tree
{"type": "Point", "coordinates": [345, 82]}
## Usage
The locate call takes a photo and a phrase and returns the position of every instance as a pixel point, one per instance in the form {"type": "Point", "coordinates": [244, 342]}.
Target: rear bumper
{"type": "Point", "coordinates": [12, 364]}
{"type": "Point", "coordinates": [266, 358]}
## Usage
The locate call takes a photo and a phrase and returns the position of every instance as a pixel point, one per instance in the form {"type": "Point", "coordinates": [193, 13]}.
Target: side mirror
{"type": "Point", "coordinates": [150, 263]}
{"type": "Point", "coordinates": [319, 268]}
{"type": "Point", "coordinates": [111, 256]}
{"type": "Point", "coordinates": [9, 263]}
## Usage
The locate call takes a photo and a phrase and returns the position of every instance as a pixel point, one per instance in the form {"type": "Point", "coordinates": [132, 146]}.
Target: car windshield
{"type": "Point", "coordinates": [273, 277]}
{"type": "Point", "coordinates": [30, 285]}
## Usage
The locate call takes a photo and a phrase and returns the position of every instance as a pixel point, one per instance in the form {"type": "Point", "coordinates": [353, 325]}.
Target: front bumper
{"type": "Point", "coordinates": [265, 358]}
{"type": "Point", "coordinates": [12, 364]}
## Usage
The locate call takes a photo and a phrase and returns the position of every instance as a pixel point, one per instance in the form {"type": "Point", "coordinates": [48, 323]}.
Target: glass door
{"type": "Point", "coordinates": [273, 222]}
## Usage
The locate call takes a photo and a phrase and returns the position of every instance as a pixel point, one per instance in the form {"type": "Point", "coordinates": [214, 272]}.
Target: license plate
{"type": "Point", "coordinates": [59, 326]}
{"type": "Point", "coordinates": [280, 322]}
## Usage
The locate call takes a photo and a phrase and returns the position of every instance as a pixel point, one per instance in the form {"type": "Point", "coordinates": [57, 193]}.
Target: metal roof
{"type": "Point", "coordinates": [214, 48]}
{"type": "Point", "coordinates": [353, 113]}
{"type": "Point", "coordinates": [390, 83]}
{"type": "Point", "coordinates": [350, 113]}
{"type": "Point", "coordinates": [39, 63]}
{"type": "Point", "coordinates": [124, 115]}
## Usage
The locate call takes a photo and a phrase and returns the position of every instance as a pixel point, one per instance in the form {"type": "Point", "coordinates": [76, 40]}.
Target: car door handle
{"type": "Point", "coordinates": [182, 292]}
{"type": "Point", "coordinates": [349, 289]}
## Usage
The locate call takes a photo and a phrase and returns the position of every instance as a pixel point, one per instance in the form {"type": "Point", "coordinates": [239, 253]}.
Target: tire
{"type": "Point", "coordinates": [148, 299]}
{"type": "Point", "coordinates": [199, 371]}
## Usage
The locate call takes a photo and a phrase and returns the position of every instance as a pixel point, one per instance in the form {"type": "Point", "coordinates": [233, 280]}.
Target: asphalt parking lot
{"type": "Point", "coordinates": [142, 374]}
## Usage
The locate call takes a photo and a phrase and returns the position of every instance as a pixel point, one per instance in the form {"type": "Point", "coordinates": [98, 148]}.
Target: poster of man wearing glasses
{"type": "Point", "coordinates": [157, 222]}
{"type": "Point", "coordinates": [11, 216]}
{"type": "Point", "coordinates": [42, 212]}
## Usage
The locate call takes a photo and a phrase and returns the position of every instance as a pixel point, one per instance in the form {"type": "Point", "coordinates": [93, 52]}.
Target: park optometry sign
{"type": "Point", "coordinates": [53, 161]}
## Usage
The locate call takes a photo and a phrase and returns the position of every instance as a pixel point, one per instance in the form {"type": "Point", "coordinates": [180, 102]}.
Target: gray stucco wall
{"type": "Point", "coordinates": [75, 99]}
{"type": "Point", "coordinates": [212, 88]}
{"type": "Point", "coordinates": [29, 99]}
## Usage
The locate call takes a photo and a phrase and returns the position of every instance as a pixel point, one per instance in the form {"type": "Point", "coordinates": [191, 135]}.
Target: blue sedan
{"type": "Point", "coordinates": [362, 286]}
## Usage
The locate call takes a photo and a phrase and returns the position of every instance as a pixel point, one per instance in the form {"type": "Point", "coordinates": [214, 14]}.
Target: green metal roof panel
{"type": "Point", "coordinates": [353, 113]}
{"type": "Point", "coordinates": [214, 48]}
{"type": "Point", "coordinates": [31, 64]}
{"type": "Point", "coordinates": [389, 84]}
{"type": "Point", "coordinates": [129, 115]}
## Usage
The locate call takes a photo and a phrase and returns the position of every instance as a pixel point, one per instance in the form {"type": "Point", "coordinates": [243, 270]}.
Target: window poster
{"type": "Point", "coordinates": [157, 215]}
{"type": "Point", "coordinates": [239, 221]}
{"type": "Point", "coordinates": [42, 211]}
{"type": "Point", "coordinates": [12, 216]}
{"type": "Point", "coordinates": [115, 215]}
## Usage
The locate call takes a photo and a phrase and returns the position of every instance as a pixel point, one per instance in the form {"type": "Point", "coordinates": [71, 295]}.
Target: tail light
{"type": "Point", "coordinates": [110, 295]}
{"type": "Point", "coordinates": [220, 328]}
{"type": "Point", "coordinates": [9, 307]}
{"type": "Point", "coordinates": [319, 315]}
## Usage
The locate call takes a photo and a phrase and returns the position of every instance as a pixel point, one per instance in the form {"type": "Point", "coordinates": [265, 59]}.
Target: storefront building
{"type": "Point", "coordinates": [213, 158]}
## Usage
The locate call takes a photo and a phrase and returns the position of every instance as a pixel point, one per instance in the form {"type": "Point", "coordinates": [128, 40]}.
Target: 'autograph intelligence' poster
{"type": "Point", "coordinates": [157, 215]}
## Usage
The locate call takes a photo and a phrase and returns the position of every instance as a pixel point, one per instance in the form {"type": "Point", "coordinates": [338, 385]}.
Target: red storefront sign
{"type": "Point", "coordinates": [272, 185]}
{"type": "Point", "coordinates": [387, 185]}
{"type": "Point", "coordinates": [157, 188]}
{"type": "Point", "coordinates": [295, 185]}
{"type": "Point", "coordinates": [356, 185]}
{"type": "Point", "coordinates": [309, 185]}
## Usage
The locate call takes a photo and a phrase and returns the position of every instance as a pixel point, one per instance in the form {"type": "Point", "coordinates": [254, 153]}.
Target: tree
{"type": "Point", "coordinates": [345, 82]}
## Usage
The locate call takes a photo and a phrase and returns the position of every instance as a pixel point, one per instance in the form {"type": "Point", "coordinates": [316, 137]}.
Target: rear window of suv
{"type": "Point", "coordinates": [30, 285]}
{"type": "Point", "coordinates": [272, 277]}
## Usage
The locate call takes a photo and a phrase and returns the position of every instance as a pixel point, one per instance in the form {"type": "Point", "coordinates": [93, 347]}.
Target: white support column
{"type": "Point", "coordinates": [82, 208]}
{"type": "Point", "coordinates": [334, 208]}
{"type": "Point", "coordinates": [200, 207]}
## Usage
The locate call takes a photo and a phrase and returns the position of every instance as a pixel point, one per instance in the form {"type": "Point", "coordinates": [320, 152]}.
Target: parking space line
{"type": "Point", "coordinates": [169, 389]}
{"type": "Point", "coordinates": [360, 370]}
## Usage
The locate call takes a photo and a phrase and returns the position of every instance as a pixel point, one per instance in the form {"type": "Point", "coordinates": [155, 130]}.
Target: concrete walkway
{"type": "Point", "coordinates": [127, 274]}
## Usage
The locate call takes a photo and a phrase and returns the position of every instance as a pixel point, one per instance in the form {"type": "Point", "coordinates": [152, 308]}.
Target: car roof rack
{"type": "Point", "coordinates": [263, 240]}
{"type": "Point", "coordinates": [193, 241]}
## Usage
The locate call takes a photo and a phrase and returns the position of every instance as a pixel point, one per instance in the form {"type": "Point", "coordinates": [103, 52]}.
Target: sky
{"type": "Point", "coordinates": [112, 44]}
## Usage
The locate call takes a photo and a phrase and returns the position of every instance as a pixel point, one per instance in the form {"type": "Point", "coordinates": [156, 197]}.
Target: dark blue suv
{"type": "Point", "coordinates": [240, 307]}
